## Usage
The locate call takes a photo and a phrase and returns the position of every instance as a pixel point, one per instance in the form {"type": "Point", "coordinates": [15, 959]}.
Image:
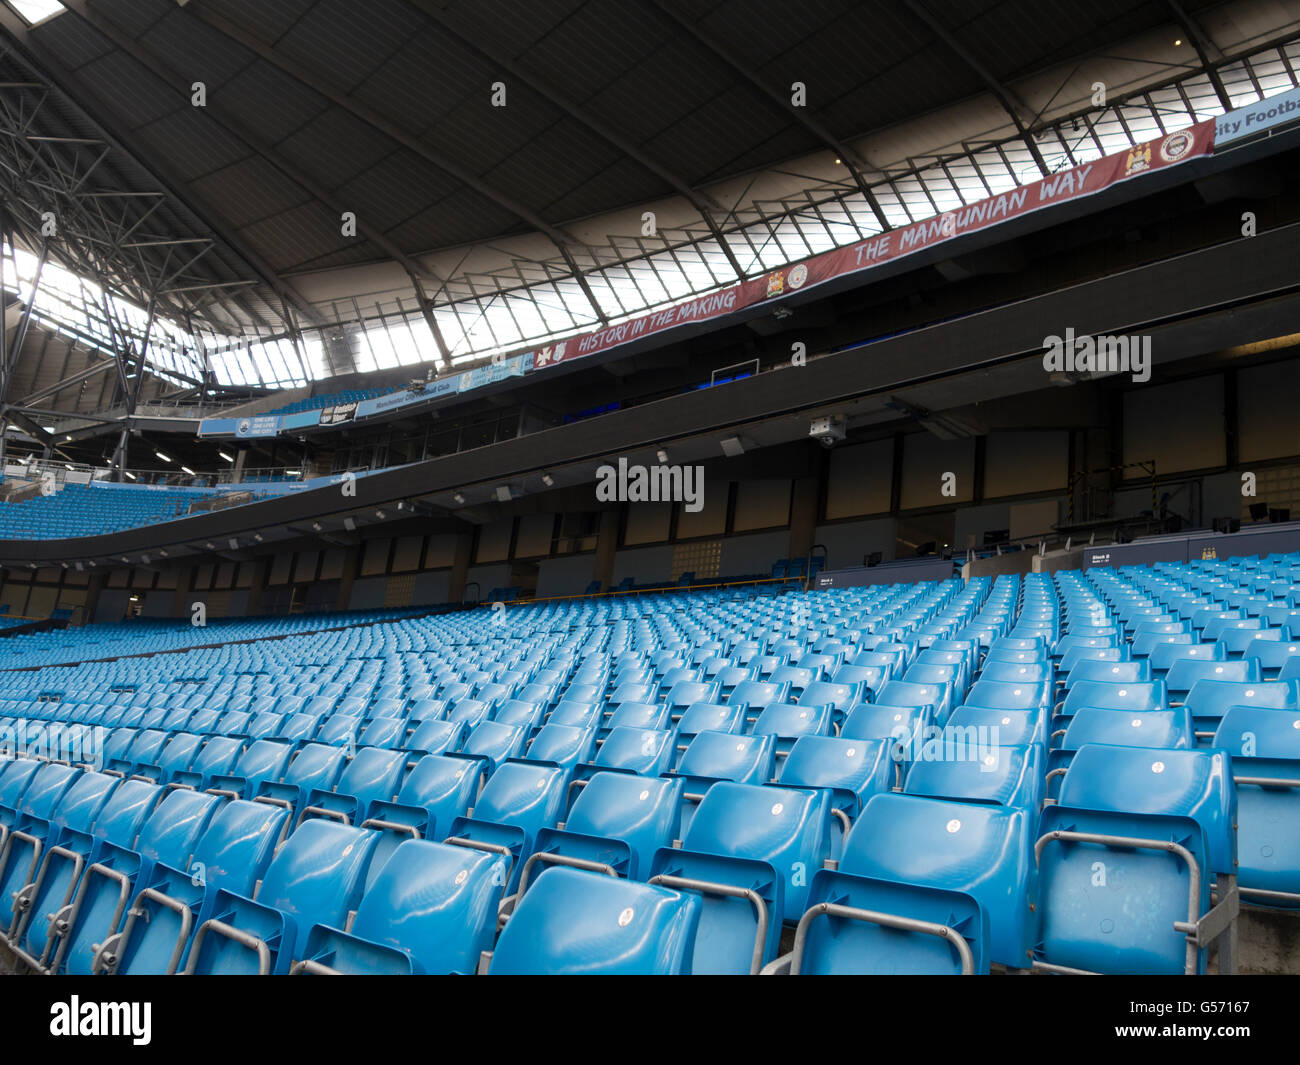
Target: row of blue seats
{"type": "Point", "coordinates": [923, 884]}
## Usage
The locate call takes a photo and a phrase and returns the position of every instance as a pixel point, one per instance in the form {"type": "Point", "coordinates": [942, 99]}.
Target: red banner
{"type": "Point", "coordinates": [1086, 179]}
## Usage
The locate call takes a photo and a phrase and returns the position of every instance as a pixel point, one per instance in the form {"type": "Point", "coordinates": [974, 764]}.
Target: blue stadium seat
{"type": "Point", "coordinates": [519, 800]}
{"type": "Point", "coordinates": [1209, 700]}
{"type": "Point", "coordinates": [1135, 843]}
{"type": "Point", "coordinates": [169, 906]}
{"type": "Point", "coordinates": [965, 853]}
{"type": "Point", "coordinates": [266, 933]}
{"type": "Point", "coordinates": [261, 761]}
{"type": "Point", "coordinates": [577, 923]}
{"type": "Point", "coordinates": [373, 775]}
{"type": "Point", "coordinates": [749, 853]}
{"type": "Point", "coordinates": [33, 820]}
{"type": "Point", "coordinates": [566, 746]}
{"type": "Point", "coordinates": [615, 827]}
{"type": "Point", "coordinates": [789, 721]}
{"type": "Point", "coordinates": [963, 766]}
{"type": "Point", "coordinates": [316, 766]}
{"type": "Point", "coordinates": [435, 737]}
{"type": "Point", "coordinates": [850, 770]}
{"type": "Point", "coordinates": [167, 837]}
{"type": "Point", "coordinates": [432, 909]}
{"type": "Point", "coordinates": [714, 756]}
{"type": "Point", "coordinates": [44, 908]}
{"type": "Point", "coordinates": [1264, 744]}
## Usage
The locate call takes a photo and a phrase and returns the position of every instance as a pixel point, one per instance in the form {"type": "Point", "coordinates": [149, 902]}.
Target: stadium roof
{"type": "Point", "coordinates": [203, 158]}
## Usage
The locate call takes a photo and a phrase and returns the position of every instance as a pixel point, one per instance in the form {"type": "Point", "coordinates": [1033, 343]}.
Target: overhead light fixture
{"type": "Point", "coordinates": [732, 446]}
{"type": "Point", "coordinates": [66, 439]}
{"type": "Point", "coordinates": [228, 458]}
{"type": "Point", "coordinates": [68, 465]}
{"type": "Point", "coordinates": [135, 599]}
{"type": "Point", "coordinates": [350, 524]}
{"type": "Point", "coordinates": [1177, 42]}
{"type": "Point", "coordinates": [186, 469]}
{"type": "Point", "coordinates": [211, 546]}
{"type": "Point", "coordinates": [234, 543]}
{"type": "Point", "coordinates": [128, 473]}
{"type": "Point", "coordinates": [380, 515]}
{"type": "Point", "coordinates": [662, 456]}
{"type": "Point", "coordinates": [316, 526]}
{"type": "Point", "coordinates": [548, 480]}
{"type": "Point", "coordinates": [458, 498]}
{"type": "Point", "coordinates": [162, 456]}
{"type": "Point", "coordinates": [257, 537]}
{"type": "Point", "coordinates": [503, 493]}
{"type": "Point", "coordinates": [162, 551]}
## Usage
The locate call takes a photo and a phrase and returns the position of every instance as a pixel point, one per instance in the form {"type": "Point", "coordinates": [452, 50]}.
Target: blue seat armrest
{"type": "Point", "coordinates": [332, 952]}
{"type": "Point", "coordinates": [555, 846]}
{"type": "Point", "coordinates": [953, 916]}
{"type": "Point", "coordinates": [398, 816]}
{"type": "Point", "coordinates": [751, 879]}
{"type": "Point", "coordinates": [331, 805]}
{"type": "Point", "coordinates": [224, 784]}
{"type": "Point", "coordinates": [248, 925]}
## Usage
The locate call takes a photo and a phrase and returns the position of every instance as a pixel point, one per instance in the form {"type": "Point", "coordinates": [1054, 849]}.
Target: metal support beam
{"type": "Point", "coordinates": [141, 359]}
{"type": "Point", "coordinates": [72, 379]}
{"type": "Point", "coordinates": [5, 238]}
{"type": "Point", "coordinates": [24, 421]}
{"type": "Point", "coordinates": [1011, 103]}
{"type": "Point", "coordinates": [1203, 45]}
{"type": "Point", "coordinates": [20, 332]}
{"type": "Point", "coordinates": [372, 118]}
{"type": "Point", "coordinates": [46, 64]}
{"type": "Point", "coordinates": [426, 312]}
{"type": "Point", "coordinates": [412, 144]}
{"type": "Point", "coordinates": [162, 69]}
{"type": "Point", "coordinates": [701, 201]}
{"type": "Point", "coordinates": [581, 278]}
{"type": "Point", "coordinates": [848, 158]}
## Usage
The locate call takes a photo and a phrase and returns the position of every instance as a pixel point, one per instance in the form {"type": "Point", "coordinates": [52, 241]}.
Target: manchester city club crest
{"type": "Point", "coordinates": [1139, 159]}
{"type": "Point", "coordinates": [1175, 146]}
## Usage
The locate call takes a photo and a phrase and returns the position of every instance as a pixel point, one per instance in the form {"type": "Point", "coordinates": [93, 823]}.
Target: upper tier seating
{"type": "Point", "coordinates": [97, 508]}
